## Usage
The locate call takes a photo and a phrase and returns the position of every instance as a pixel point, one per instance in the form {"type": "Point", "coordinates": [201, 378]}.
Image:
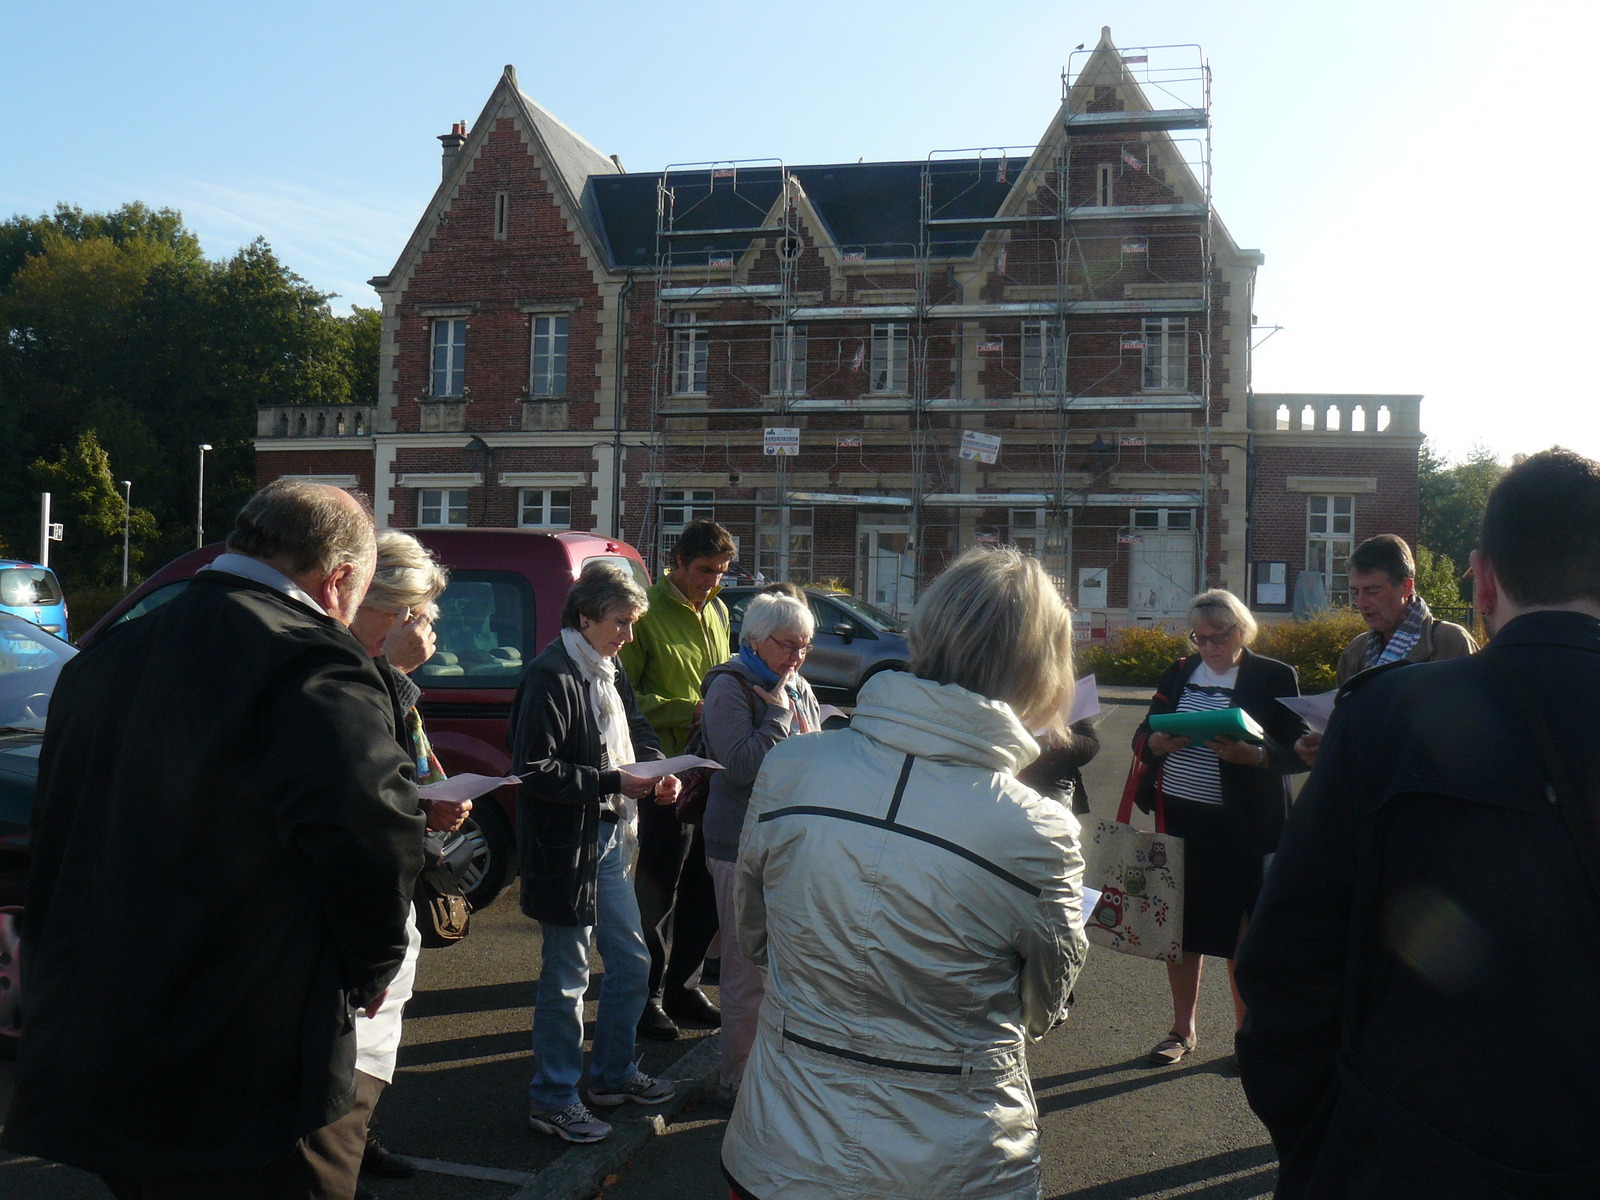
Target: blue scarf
{"type": "Point", "coordinates": [765, 675]}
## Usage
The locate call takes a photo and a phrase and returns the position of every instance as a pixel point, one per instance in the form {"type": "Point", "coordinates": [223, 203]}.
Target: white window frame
{"type": "Point", "coordinates": [1166, 354]}
{"type": "Point", "coordinates": [690, 358]}
{"type": "Point", "coordinates": [891, 359]}
{"type": "Point", "coordinates": [1041, 358]}
{"type": "Point", "coordinates": [544, 508]}
{"type": "Point", "coordinates": [675, 508]}
{"type": "Point", "coordinates": [1041, 532]}
{"type": "Point", "coordinates": [547, 356]}
{"type": "Point", "coordinates": [786, 375]}
{"type": "Point", "coordinates": [447, 363]}
{"type": "Point", "coordinates": [773, 562]}
{"type": "Point", "coordinates": [1330, 537]}
{"type": "Point", "coordinates": [439, 508]}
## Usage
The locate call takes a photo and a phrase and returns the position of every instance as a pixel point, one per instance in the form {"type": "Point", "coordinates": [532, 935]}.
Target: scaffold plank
{"type": "Point", "coordinates": [1137, 122]}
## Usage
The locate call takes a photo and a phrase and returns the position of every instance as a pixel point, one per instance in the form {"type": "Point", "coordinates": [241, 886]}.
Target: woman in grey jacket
{"type": "Point", "coordinates": [918, 912]}
{"type": "Point", "coordinates": [752, 703]}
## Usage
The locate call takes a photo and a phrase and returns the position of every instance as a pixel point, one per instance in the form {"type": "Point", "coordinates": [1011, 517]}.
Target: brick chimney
{"type": "Point", "coordinates": [452, 143]}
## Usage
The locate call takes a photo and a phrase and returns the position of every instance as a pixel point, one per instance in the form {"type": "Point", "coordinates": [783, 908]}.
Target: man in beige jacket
{"type": "Point", "coordinates": [1383, 586]}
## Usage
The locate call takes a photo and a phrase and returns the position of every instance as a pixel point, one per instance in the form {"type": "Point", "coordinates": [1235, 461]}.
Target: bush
{"type": "Point", "coordinates": [1136, 656]}
{"type": "Point", "coordinates": [1312, 647]}
{"type": "Point", "coordinates": [85, 606]}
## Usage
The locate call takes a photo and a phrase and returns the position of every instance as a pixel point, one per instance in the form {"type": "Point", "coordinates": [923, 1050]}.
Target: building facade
{"type": "Point", "coordinates": [860, 369]}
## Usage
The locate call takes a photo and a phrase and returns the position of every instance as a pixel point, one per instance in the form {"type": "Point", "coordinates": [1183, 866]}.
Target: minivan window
{"type": "Point", "coordinates": [154, 599]}
{"type": "Point", "coordinates": [632, 566]}
{"type": "Point", "coordinates": [485, 632]}
{"type": "Point", "coordinates": [23, 587]}
{"type": "Point", "coordinates": [872, 615]}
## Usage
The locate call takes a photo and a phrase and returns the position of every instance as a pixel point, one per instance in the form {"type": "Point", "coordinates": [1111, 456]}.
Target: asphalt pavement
{"type": "Point", "coordinates": [1113, 1127]}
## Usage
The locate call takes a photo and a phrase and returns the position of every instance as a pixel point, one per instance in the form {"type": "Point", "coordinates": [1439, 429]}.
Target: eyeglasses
{"type": "Point", "coordinates": [1212, 639]}
{"type": "Point", "coordinates": [798, 649]}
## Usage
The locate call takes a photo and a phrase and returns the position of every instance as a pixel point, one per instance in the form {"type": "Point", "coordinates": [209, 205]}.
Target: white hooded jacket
{"type": "Point", "coordinates": [918, 912]}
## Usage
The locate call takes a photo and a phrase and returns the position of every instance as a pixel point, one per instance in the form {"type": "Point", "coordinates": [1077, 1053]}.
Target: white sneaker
{"type": "Point", "coordinates": [574, 1123]}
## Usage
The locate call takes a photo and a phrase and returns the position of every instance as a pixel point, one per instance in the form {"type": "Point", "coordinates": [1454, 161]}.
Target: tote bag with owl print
{"type": "Point", "coordinates": [1139, 877]}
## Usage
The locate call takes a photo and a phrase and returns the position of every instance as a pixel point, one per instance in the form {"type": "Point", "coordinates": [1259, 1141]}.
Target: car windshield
{"type": "Point", "coordinates": [30, 661]}
{"type": "Point", "coordinates": [875, 618]}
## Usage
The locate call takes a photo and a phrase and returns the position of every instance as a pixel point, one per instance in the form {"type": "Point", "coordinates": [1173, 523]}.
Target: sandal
{"type": "Point", "coordinates": [1171, 1048]}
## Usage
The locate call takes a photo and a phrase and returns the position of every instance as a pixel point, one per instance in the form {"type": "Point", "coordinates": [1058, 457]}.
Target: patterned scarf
{"type": "Point", "coordinates": [1401, 641]}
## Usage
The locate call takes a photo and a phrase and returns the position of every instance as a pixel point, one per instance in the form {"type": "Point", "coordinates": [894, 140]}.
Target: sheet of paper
{"type": "Point", "coordinates": [1085, 700]}
{"type": "Point", "coordinates": [466, 786]}
{"type": "Point", "coordinates": [831, 710]}
{"type": "Point", "coordinates": [670, 766]}
{"type": "Point", "coordinates": [1315, 710]}
{"type": "Point", "coordinates": [1090, 899]}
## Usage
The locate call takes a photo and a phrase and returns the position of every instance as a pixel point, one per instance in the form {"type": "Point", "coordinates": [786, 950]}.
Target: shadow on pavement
{"type": "Point", "coordinates": [1208, 1172]}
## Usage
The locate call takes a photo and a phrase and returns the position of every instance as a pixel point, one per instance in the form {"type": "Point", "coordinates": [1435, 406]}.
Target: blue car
{"type": "Point", "coordinates": [33, 593]}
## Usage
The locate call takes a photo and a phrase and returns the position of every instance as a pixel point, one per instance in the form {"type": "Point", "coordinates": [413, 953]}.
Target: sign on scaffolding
{"type": "Point", "coordinates": [785, 442]}
{"type": "Point", "coordinates": [985, 447]}
{"type": "Point", "coordinates": [847, 443]}
{"type": "Point", "coordinates": [1130, 441]}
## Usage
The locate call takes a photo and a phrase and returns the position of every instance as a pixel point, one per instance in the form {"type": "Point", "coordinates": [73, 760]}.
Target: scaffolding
{"type": "Point", "coordinates": [1044, 295]}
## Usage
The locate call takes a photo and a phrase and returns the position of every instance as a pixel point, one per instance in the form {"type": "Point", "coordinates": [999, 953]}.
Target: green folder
{"type": "Point", "coordinates": [1232, 723]}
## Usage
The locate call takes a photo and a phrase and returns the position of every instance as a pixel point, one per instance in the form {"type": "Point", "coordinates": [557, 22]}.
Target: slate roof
{"type": "Point", "coordinates": [873, 208]}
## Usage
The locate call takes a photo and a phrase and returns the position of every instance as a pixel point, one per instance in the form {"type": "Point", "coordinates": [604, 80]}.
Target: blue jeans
{"type": "Point", "coordinates": [564, 978]}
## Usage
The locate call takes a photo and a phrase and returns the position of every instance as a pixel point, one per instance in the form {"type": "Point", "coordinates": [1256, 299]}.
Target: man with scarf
{"type": "Point", "coordinates": [1383, 584]}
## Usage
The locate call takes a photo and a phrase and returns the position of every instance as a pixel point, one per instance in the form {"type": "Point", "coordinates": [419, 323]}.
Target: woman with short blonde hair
{"type": "Point", "coordinates": [918, 911]}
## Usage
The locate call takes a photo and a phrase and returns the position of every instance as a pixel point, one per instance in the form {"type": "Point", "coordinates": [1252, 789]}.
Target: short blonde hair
{"type": "Point", "coordinates": [1223, 609]}
{"type": "Point", "coordinates": [995, 624]}
{"type": "Point", "coordinates": [408, 577]}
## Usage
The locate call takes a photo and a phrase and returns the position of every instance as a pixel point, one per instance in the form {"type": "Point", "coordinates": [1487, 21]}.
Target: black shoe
{"type": "Point", "coordinates": [379, 1160]}
{"type": "Point", "coordinates": [655, 1024]}
{"type": "Point", "coordinates": [692, 1007]}
{"type": "Point", "coordinates": [363, 1192]}
{"type": "Point", "coordinates": [711, 971]}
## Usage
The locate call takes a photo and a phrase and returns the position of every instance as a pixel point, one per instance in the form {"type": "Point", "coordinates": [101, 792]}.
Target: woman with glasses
{"type": "Point", "coordinates": [1226, 799]}
{"type": "Point", "coordinates": [752, 703]}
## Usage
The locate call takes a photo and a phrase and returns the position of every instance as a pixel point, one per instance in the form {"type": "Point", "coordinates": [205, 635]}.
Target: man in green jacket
{"type": "Point", "coordinates": [682, 636]}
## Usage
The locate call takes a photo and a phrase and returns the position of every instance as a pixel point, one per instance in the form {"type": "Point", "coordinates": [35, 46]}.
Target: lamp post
{"type": "Point", "coordinates": [200, 501]}
{"type": "Point", "coordinates": [127, 503]}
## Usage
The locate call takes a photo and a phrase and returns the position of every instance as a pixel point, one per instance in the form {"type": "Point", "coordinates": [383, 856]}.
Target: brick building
{"type": "Point", "coordinates": [862, 369]}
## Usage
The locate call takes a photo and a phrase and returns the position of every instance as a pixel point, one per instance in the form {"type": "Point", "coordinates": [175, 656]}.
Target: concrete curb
{"type": "Point", "coordinates": [582, 1170]}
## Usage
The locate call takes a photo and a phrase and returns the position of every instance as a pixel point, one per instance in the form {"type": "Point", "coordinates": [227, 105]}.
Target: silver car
{"type": "Point", "coordinates": [853, 641]}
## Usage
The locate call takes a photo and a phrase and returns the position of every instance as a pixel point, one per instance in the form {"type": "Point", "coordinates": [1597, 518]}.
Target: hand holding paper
{"type": "Point", "coordinates": [465, 786]}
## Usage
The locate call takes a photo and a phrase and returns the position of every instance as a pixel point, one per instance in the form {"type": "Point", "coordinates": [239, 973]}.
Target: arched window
{"type": "Point", "coordinates": [283, 424]}
{"type": "Point", "coordinates": [1358, 419]}
{"type": "Point", "coordinates": [1332, 417]}
{"type": "Point", "coordinates": [1280, 419]}
{"type": "Point", "coordinates": [322, 424]}
{"type": "Point", "coordinates": [1383, 417]}
{"type": "Point", "coordinates": [338, 425]}
{"type": "Point", "coordinates": [302, 426]}
{"type": "Point", "coordinates": [1308, 417]}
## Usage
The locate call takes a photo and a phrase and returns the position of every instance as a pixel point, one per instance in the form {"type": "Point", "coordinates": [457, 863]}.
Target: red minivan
{"type": "Point", "coordinates": [503, 606]}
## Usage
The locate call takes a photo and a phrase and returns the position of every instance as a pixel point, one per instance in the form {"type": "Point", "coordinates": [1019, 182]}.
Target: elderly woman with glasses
{"type": "Point", "coordinates": [752, 703]}
{"type": "Point", "coordinates": [1226, 799]}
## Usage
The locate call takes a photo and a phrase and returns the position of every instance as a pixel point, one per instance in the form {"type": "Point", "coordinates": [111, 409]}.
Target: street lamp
{"type": "Point", "coordinates": [127, 502]}
{"type": "Point", "coordinates": [200, 501]}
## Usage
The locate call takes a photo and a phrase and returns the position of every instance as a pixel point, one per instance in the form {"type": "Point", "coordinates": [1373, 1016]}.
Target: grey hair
{"type": "Point", "coordinates": [1223, 609]}
{"type": "Point", "coordinates": [602, 588]}
{"type": "Point", "coordinates": [775, 613]}
{"type": "Point", "coordinates": [994, 624]}
{"type": "Point", "coordinates": [305, 527]}
{"type": "Point", "coordinates": [408, 577]}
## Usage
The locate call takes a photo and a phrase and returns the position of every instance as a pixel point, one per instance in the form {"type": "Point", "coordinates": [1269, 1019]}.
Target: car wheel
{"type": "Point", "coordinates": [493, 853]}
{"type": "Point", "coordinates": [10, 982]}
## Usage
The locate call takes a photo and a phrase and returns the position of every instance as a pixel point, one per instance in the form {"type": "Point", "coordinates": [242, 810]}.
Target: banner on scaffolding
{"type": "Point", "coordinates": [985, 447]}
{"type": "Point", "coordinates": [1135, 58]}
{"type": "Point", "coordinates": [1130, 441]}
{"type": "Point", "coordinates": [1129, 539]}
{"type": "Point", "coordinates": [722, 260]}
{"type": "Point", "coordinates": [855, 256]}
{"type": "Point", "coordinates": [1136, 247]}
{"type": "Point", "coordinates": [847, 443]}
{"type": "Point", "coordinates": [1133, 343]}
{"type": "Point", "coordinates": [994, 346]}
{"type": "Point", "coordinates": [1132, 159]}
{"type": "Point", "coordinates": [781, 441]}
{"type": "Point", "coordinates": [861, 354]}
{"type": "Point", "coordinates": [1000, 266]}
{"type": "Point", "coordinates": [723, 173]}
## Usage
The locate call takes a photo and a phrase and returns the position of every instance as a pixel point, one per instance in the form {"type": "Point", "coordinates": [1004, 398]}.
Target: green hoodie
{"type": "Point", "coordinates": [672, 649]}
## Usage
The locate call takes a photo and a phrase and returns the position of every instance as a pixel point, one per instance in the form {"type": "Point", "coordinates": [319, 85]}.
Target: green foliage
{"type": "Point", "coordinates": [115, 322]}
{"type": "Point", "coordinates": [1312, 646]}
{"type": "Point", "coordinates": [1438, 579]}
{"type": "Point", "coordinates": [1136, 656]}
{"type": "Point", "coordinates": [1451, 499]}
{"type": "Point", "coordinates": [85, 499]}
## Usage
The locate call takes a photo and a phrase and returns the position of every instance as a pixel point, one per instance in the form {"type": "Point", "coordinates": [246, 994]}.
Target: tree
{"type": "Point", "coordinates": [1438, 579]}
{"type": "Point", "coordinates": [1452, 497]}
{"type": "Point", "coordinates": [84, 498]}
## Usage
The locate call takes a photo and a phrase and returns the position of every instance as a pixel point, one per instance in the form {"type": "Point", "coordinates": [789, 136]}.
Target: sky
{"type": "Point", "coordinates": [1394, 161]}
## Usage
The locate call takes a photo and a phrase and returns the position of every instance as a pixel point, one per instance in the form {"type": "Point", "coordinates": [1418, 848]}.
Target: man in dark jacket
{"type": "Point", "coordinates": [225, 837]}
{"type": "Point", "coordinates": [1422, 968]}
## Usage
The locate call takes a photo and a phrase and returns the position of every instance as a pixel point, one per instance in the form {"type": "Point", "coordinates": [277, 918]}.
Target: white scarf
{"type": "Point", "coordinates": [617, 745]}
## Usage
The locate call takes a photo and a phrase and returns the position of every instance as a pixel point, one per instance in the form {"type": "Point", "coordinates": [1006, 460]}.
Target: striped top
{"type": "Point", "coordinates": [1194, 773]}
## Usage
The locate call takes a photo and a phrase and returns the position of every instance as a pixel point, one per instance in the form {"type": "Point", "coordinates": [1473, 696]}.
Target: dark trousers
{"type": "Point", "coordinates": [323, 1166]}
{"type": "Point", "coordinates": [677, 903]}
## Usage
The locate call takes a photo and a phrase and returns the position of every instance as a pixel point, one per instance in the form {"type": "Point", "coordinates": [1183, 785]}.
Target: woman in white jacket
{"type": "Point", "coordinates": [918, 912]}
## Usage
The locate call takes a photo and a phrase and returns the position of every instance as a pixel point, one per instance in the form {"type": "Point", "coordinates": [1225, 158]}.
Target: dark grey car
{"type": "Point", "coordinates": [853, 640]}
